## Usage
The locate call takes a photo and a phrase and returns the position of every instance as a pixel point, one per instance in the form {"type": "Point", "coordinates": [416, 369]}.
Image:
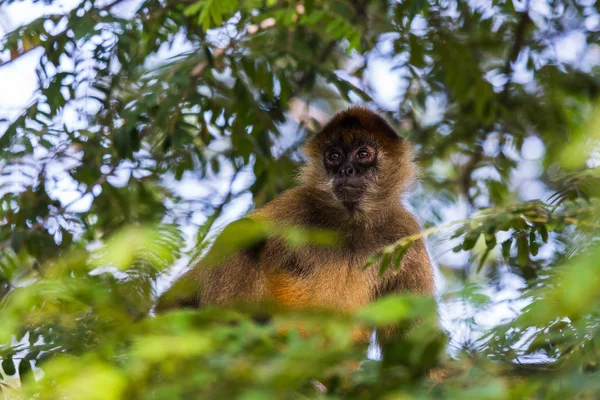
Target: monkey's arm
{"type": "Point", "coordinates": [228, 273]}
{"type": "Point", "coordinates": [185, 293]}
{"type": "Point", "coordinates": [415, 276]}
{"type": "Point", "coordinates": [237, 278]}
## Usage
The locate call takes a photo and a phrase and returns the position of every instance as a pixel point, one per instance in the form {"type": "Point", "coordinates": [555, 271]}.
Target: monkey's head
{"type": "Point", "coordinates": [360, 160]}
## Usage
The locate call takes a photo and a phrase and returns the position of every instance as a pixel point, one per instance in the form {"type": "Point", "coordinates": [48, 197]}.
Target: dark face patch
{"type": "Point", "coordinates": [351, 161]}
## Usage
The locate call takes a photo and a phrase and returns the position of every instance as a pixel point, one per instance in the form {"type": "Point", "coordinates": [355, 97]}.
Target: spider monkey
{"type": "Point", "coordinates": [357, 172]}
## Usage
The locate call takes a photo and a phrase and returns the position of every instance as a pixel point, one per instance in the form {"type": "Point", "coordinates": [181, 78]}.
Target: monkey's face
{"type": "Point", "coordinates": [351, 166]}
{"type": "Point", "coordinates": [358, 161]}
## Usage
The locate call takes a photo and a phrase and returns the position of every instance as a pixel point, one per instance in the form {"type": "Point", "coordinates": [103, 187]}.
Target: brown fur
{"type": "Point", "coordinates": [328, 277]}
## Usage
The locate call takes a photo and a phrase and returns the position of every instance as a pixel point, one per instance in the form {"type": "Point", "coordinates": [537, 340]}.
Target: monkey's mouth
{"type": "Point", "coordinates": [348, 193]}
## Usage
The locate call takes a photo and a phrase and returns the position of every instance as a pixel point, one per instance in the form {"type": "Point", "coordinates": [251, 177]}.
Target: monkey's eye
{"type": "Point", "coordinates": [334, 156]}
{"type": "Point", "coordinates": [362, 154]}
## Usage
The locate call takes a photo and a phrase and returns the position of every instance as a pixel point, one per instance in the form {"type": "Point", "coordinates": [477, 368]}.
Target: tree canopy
{"type": "Point", "coordinates": [156, 122]}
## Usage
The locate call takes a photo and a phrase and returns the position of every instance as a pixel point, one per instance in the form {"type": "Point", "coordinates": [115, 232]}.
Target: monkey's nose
{"type": "Point", "coordinates": [347, 170]}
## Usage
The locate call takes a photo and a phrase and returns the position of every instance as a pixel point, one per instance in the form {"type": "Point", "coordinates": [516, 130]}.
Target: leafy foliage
{"type": "Point", "coordinates": [172, 117]}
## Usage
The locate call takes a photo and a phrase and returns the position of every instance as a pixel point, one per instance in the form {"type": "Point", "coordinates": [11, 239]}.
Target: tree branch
{"type": "Point", "coordinates": [40, 224]}
{"type": "Point", "coordinates": [110, 5]}
{"type": "Point", "coordinates": [468, 169]}
{"type": "Point", "coordinates": [516, 49]}
{"type": "Point", "coordinates": [18, 56]}
{"type": "Point", "coordinates": [512, 57]}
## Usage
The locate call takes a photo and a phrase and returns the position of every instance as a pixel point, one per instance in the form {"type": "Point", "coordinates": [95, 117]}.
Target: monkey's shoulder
{"type": "Point", "coordinates": [401, 223]}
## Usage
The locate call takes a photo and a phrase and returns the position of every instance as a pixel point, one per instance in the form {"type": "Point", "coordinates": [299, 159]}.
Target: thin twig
{"type": "Point", "coordinates": [110, 5]}
{"type": "Point", "coordinates": [13, 59]}
{"type": "Point", "coordinates": [468, 169]}
{"type": "Point", "coordinates": [568, 216]}
{"type": "Point", "coordinates": [516, 49]}
{"type": "Point", "coordinates": [470, 166]}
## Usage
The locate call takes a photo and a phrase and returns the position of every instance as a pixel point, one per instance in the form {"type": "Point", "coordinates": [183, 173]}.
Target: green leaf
{"type": "Point", "coordinates": [392, 309]}
{"type": "Point", "coordinates": [193, 9]}
{"type": "Point", "coordinates": [470, 240]}
{"type": "Point", "coordinates": [506, 245]}
{"type": "Point", "coordinates": [8, 366]}
{"type": "Point", "coordinates": [309, 6]}
{"type": "Point", "coordinates": [522, 250]}
{"type": "Point", "coordinates": [484, 257]}
{"type": "Point", "coordinates": [385, 262]}
{"type": "Point", "coordinates": [24, 368]}
{"type": "Point", "coordinates": [399, 253]}
{"type": "Point", "coordinates": [490, 240]}
{"type": "Point", "coordinates": [543, 233]}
